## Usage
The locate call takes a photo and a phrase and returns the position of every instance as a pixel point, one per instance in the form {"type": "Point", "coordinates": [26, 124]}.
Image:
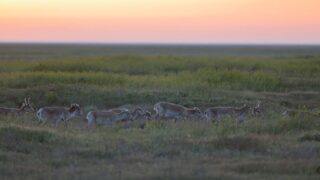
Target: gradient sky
{"type": "Point", "coordinates": [161, 21]}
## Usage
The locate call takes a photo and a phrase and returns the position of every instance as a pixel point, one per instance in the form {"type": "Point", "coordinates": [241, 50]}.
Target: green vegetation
{"type": "Point", "coordinates": [117, 80]}
{"type": "Point", "coordinates": [263, 147]}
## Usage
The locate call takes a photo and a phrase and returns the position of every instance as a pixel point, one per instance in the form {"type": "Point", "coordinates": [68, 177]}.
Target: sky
{"type": "Point", "coordinates": [161, 21]}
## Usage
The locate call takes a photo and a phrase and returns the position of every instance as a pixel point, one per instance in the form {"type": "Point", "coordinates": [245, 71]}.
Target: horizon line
{"type": "Point", "coordinates": [158, 43]}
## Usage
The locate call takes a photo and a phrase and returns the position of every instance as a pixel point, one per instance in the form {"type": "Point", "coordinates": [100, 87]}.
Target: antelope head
{"type": "Point", "coordinates": [257, 109]}
{"type": "Point", "coordinates": [137, 112]}
{"type": "Point", "coordinates": [195, 112]}
{"type": "Point", "coordinates": [26, 106]}
{"type": "Point", "coordinates": [75, 110]}
{"type": "Point", "coordinates": [243, 109]}
{"type": "Point", "coordinates": [148, 115]}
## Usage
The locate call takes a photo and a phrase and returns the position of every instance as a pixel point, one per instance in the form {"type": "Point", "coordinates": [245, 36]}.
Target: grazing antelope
{"type": "Point", "coordinates": [175, 111]}
{"type": "Point", "coordinates": [57, 114]}
{"type": "Point", "coordinates": [25, 107]}
{"type": "Point", "coordinates": [218, 113]}
{"type": "Point", "coordinates": [107, 117]}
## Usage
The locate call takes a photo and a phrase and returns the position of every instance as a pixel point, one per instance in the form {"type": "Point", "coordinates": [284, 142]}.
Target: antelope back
{"type": "Point", "coordinates": [173, 107]}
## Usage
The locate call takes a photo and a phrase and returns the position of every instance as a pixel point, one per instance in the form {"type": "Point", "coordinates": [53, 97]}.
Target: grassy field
{"type": "Point", "coordinates": [263, 147]}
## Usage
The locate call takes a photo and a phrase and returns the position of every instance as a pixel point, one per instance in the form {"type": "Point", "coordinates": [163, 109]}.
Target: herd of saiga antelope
{"type": "Point", "coordinates": [164, 110]}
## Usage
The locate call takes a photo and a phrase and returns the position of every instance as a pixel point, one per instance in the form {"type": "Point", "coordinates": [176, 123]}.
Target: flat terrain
{"type": "Point", "coordinates": [100, 77]}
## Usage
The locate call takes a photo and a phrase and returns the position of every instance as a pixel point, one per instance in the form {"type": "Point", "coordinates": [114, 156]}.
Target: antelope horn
{"type": "Point", "coordinates": [259, 102]}
{"type": "Point", "coordinates": [75, 105]}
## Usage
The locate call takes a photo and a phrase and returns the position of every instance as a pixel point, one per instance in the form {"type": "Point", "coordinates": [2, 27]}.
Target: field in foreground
{"type": "Point", "coordinates": [263, 147]}
{"type": "Point", "coordinates": [256, 149]}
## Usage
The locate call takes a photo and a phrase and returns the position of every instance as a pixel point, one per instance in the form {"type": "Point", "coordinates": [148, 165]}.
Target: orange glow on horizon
{"type": "Point", "coordinates": [181, 21]}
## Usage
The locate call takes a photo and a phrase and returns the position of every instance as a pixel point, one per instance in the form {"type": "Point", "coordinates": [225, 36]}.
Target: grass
{"type": "Point", "coordinates": [263, 147]}
{"type": "Point", "coordinates": [187, 149]}
{"type": "Point", "coordinates": [172, 72]}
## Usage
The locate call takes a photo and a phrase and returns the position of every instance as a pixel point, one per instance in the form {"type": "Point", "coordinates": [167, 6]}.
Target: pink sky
{"type": "Point", "coordinates": [161, 21]}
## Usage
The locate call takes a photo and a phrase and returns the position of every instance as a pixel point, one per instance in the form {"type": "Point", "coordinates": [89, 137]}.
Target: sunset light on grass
{"type": "Point", "coordinates": [161, 21]}
{"type": "Point", "coordinates": [160, 89]}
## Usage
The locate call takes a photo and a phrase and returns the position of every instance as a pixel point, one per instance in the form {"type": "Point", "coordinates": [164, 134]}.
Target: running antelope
{"type": "Point", "coordinates": [25, 107]}
{"type": "Point", "coordinates": [57, 114]}
{"type": "Point", "coordinates": [175, 111]}
{"type": "Point", "coordinates": [107, 117]}
{"type": "Point", "coordinates": [217, 113]}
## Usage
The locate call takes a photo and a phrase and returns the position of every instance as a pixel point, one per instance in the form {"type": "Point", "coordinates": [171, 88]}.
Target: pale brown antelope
{"type": "Point", "coordinates": [218, 113]}
{"type": "Point", "coordinates": [25, 107]}
{"type": "Point", "coordinates": [175, 111]}
{"type": "Point", "coordinates": [57, 114]}
{"type": "Point", "coordinates": [107, 117]}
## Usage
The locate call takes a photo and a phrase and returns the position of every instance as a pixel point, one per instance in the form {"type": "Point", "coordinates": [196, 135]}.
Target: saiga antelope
{"type": "Point", "coordinates": [107, 117]}
{"type": "Point", "coordinates": [57, 114]}
{"type": "Point", "coordinates": [25, 107]}
{"type": "Point", "coordinates": [175, 111]}
{"type": "Point", "coordinates": [218, 113]}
